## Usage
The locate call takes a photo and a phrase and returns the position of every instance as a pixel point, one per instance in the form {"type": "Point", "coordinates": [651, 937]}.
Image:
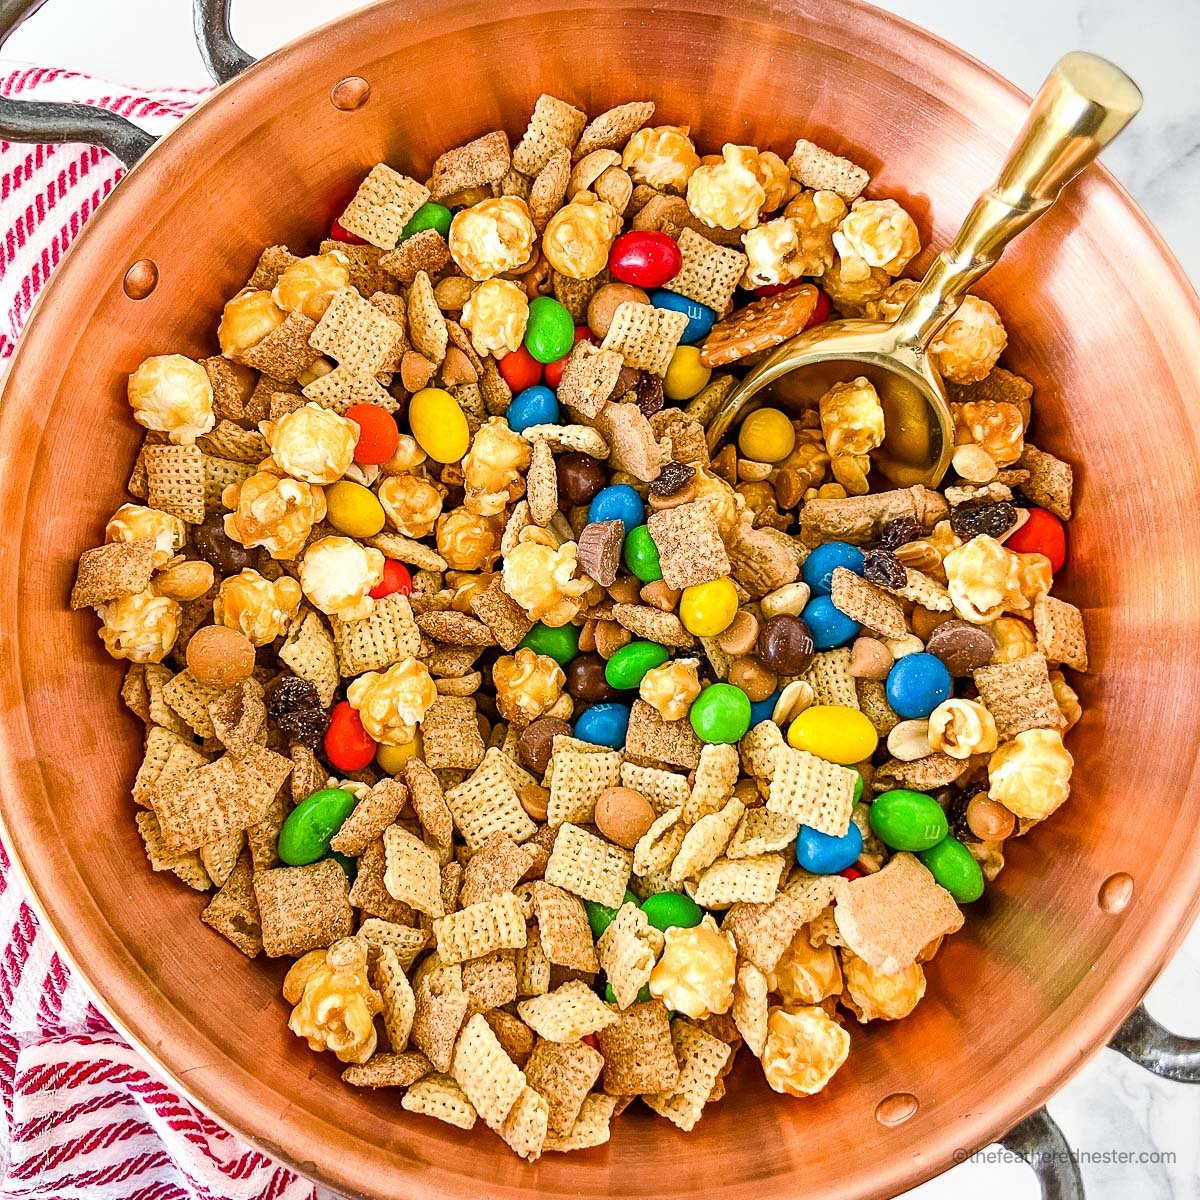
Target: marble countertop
{"type": "Point", "coordinates": [1111, 1105]}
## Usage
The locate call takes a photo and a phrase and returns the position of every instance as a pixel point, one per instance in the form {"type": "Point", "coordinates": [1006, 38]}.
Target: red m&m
{"type": "Point", "coordinates": [378, 436]}
{"type": "Point", "coordinates": [1044, 534]}
{"type": "Point", "coordinates": [520, 370]}
{"type": "Point", "coordinates": [396, 578]}
{"type": "Point", "coordinates": [348, 746]}
{"type": "Point", "coordinates": [645, 258]}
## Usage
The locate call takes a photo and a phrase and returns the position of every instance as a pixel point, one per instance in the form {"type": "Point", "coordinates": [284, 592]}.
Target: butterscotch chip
{"type": "Point", "coordinates": [388, 1070]}
{"type": "Point", "coordinates": [343, 387]}
{"type": "Point", "coordinates": [1019, 695]}
{"type": "Point", "coordinates": [564, 1074]}
{"type": "Point", "coordinates": [729, 880]}
{"type": "Point", "coordinates": [425, 251]}
{"type": "Point", "coordinates": [554, 125]}
{"type": "Point", "coordinates": [549, 188]}
{"type": "Point", "coordinates": [579, 772]}
{"type": "Point", "coordinates": [690, 549]}
{"type": "Point", "coordinates": [384, 203]}
{"type": "Point", "coordinates": [570, 1012]}
{"type": "Point", "coordinates": [438, 1096]}
{"type": "Point", "coordinates": [285, 351]}
{"type": "Point", "coordinates": [823, 171]}
{"type": "Point", "coordinates": [1050, 483]}
{"type": "Point", "coordinates": [185, 865]}
{"type": "Point", "coordinates": [589, 378]}
{"type": "Point", "coordinates": [482, 161]}
{"type": "Point", "coordinates": [404, 941]}
{"type": "Point", "coordinates": [639, 1057]}
{"type": "Point", "coordinates": [702, 1058]}
{"type": "Point", "coordinates": [486, 803]}
{"type": "Point", "coordinates": [867, 604]}
{"type": "Point", "coordinates": [645, 621]}
{"type": "Point", "coordinates": [494, 870]}
{"type": "Point", "coordinates": [759, 326]}
{"type": "Point", "coordinates": [589, 866]}
{"type": "Point", "coordinates": [888, 918]}
{"type": "Point", "coordinates": [664, 789]}
{"type": "Point", "coordinates": [233, 911]}
{"type": "Point", "coordinates": [632, 445]}
{"type": "Point", "coordinates": [613, 128]}
{"type": "Point", "coordinates": [563, 929]}
{"type": "Point", "coordinates": [764, 931]}
{"type": "Point", "coordinates": [272, 263]}
{"type": "Point", "coordinates": [111, 571]}
{"type": "Point", "coordinates": [710, 273]}
{"type": "Point", "coordinates": [310, 653]}
{"type": "Point", "coordinates": [387, 635]}
{"type": "Point", "coordinates": [645, 337]}
{"type": "Point", "coordinates": [175, 481]}
{"type": "Point", "coordinates": [303, 908]}
{"type": "Point", "coordinates": [652, 739]}
{"type": "Point", "coordinates": [450, 734]}
{"type": "Point", "coordinates": [355, 333]}
{"type": "Point", "coordinates": [1060, 632]}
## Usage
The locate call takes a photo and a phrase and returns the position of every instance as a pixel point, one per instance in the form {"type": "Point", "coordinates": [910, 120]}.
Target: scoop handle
{"type": "Point", "coordinates": [1083, 104]}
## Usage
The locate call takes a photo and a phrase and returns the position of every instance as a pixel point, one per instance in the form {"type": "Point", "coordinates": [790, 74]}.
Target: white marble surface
{"type": "Point", "coordinates": [1111, 1105]}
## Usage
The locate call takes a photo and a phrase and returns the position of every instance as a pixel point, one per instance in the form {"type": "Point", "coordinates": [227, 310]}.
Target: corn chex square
{"type": "Point", "coordinates": [533, 967]}
{"type": "Point", "coordinates": [185, 865]}
{"type": "Point", "coordinates": [702, 1058]}
{"type": "Point", "coordinates": [645, 337]}
{"type": "Point", "coordinates": [822, 170]}
{"type": "Point", "coordinates": [309, 652]}
{"type": "Point", "coordinates": [486, 803]}
{"type": "Point", "coordinates": [480, 929]}
{"type": "Point", "coordinates": [355, 333]}
{"type": "Point", "coordinates": [710, 273]}
{"type": "Point", "coordinates": [399, 1003]}
{"type": "Point", "coordinates": [578, 774]}
{"type": "Point", "coordinates": [377, 641]}
{"type": "Point", "coordinates": [829, 677]}
{"type": "Point", "coordinates": [526, 1127]}
{"type": "Point", "coordinates": [762, 832]}
{"type": "Point", "coordinates": [563, 930]}
{"type": "Point", "coordinates": [342, 388]}
{"type": "Point", "coordinates": [175, 481]}
{"type": "Point", "coordinates": [191, 700]}
{"type": "Point", "coordinates": [750, 1010]}
{"type": "Point", "coordinates": [657, 847]}
{"type": "Point", "coordinates": [812, 791]}
{"type": "Point", "coordinates": [729, 881]}
{"type": "Point", "coordinates": [705, 841]}
{"type": "Point", "coordinates": [439, 1096]}
{"type": "Point", "coordinates": [554, 125]}
{"type": "Point", "coordinates": [591, 1128]}
{"type": "Point", "coordinates": [664, 789]}
{"type": "Point", "coordinates": [404, 941]}
{"type": "Point", "coordinates": [589, 866]}
{"type": "Point", "coordinates": [382, 206]}
{"type": "Point", "coordinates": [1060, 632]}
{"type": "Point", "coordinates": [628, 950]}
{"type": "Point", "coordinates": [412, 875]}
{"type": "Point", "coordinates": [488, 1077]}
{"type": "Point", "coordinates": [716, 775]}
{"type": "Point", "coordinates": [567, 1014]}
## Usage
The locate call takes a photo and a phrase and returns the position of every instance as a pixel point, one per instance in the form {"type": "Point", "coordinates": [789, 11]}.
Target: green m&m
{"type": "Point", "coordinates": [312, 824]}
{"type": "Point", "coordinates": [908, 820]}
{"type": "Point", "coordinates": [600, 916]}
{"type": "Point", "coordinates": [955, 868]}
{"type": "Point", "coordinates": [626, 668]}
{"type": "Point", "coordinates": [641, 554]}
{"type": "Point", "coordinates": [430, 215]}
{"type": "Point", "coordinates": [560, 643]}
{"type": "Point", "coordinates": [666, 909]}
{"type": "Point", "coordinates": [550, 332]}
{"type": "Point", "coordinates": [720, 714]}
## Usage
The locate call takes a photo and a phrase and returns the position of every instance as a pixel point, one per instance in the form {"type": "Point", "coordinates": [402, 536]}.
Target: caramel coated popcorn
{"type": "Point", "coordinates": [392, 703]}
{"type": "Point", "coordinates": [968, 345]}
{"type": "Point", "coordinates": [985, 579]}
{"type": "Point", "coordinates": [728, 194]}
{"type": "Point", "coordinates": [337, 575]}
{"type": "Point", "coordinates": [467, 540]}
{"type": "Point", "coordinates": [852, 424]}
{"type": "Point", "coordinates": [696, 971]}
{"type": "Point", "coordinates": [577, 239]}
{"type": "Point", "coordinates": [273, 510]}
{"type": "Point", "coordinates": [173, 395]}
{"type": "Point", "coordinates": [494, 468]}
{"type": "Point", "coordinates": [308, 284]}
{"type": "Point", "coordinates": [875, 996]}
{"type": "Point", "coordinates": [804, 973]}
{"type": "Point", "coordinates": [876, 233]}
{"type": "Point", "coordinates": [527, 685]}
{"type": "Point", "coordinates": [492, 237]}
{"type": "Point", "coordinates": [411, 503]}
{"type": "Point", "coordinates": [134, 521]}
{"type": "Point", "coordinates": [260, 608]}
{"type": "Point", "coordinates": [804, 1049]}
{"type": "Point", "coordinates": [960, 727]}
{"type": "Point", "coordinates": [1031, 775]}
{"type": "Point", "coordinates": [663, 157]}
{"type": "Point", "coordinates": [312, 444]}
{"type": "Point", "coordinates": [246, 320]}
{"type": "Point", "coordinates": [495, 315]}
{"type": "Point", "coordinates": [335, 1004]}
{"type": "Point", "coordinates": [671, 688]}
{"type": "Point", "coordinates": [141, 627]}
{"type": "Point", "coordinates": [541, 579]}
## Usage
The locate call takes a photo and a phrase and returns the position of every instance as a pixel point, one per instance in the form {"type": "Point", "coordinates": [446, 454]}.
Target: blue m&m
{"type": "Point", "coordinates": [603, 725]}
{"type": "Point", "coordinates": [617, 502]}
{"type": "Point", "coordinates": [917, 684]}
{"type": "Point", "coordinates": [700, 317]}
{"type": "Point", "coordinates": [824, 854]}
{"type": "Point", "coordinates": [536, 405]}
{"type": "Point", "coordinates": [829, 626]}
{"type": "Point", "coordinates": [819, 566]}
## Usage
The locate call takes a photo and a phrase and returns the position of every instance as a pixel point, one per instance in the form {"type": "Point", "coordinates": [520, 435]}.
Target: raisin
{"type": "Point", "coordinates": [883, 568]}
{"type": "Point", "coordinates": [956, 814]}
{"type": "Point", "coordinates": [649, 393]}
{"type": "Point", "coordinates": [305, 725]}
{"type": "Point", "coordinates": [671, 478]}
{"type": "Point", "coordinates": [289, 694]}
{"type": "Point", "coordinates": [898, 532]}
{"type": "Point", "coordinates": [220, 551]}
{"type": "Point", "coordinates": [982, 516]}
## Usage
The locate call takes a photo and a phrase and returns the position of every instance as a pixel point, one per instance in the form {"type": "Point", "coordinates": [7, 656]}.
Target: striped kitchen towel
{"type": "Point", "coordinates": [82, 1116]}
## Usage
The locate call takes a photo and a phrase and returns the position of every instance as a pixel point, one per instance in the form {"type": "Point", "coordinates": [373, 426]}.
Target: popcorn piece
{"type": "Point", "coordinates": [384, 203]}
{"type": "Point", "coordinates": [803, 1051]}
{"type": "Point", "coordinates": [984, 579]}
{"type": "Point", "coordinates": [140, 627]}
{"type": "Point", "coordinates": [577, 239]}
{"type": "Point", "coordinates": [273, 511]}
{"type": "Point", "coordinates": [541, 579]}
{"type": "Point", "coordinates": [493, 468]}
{"type": "Point", "coordinates": [876, 233]}
{"type": "Point", "coordinates": [337, 575]}
{"type": "Point", "coordinates": [871, 995]}
{"type": "Point", "coordinates": [172, 394]}
{"type": "Point", "coordinates": [260, 608]}
{"type": "Point", "coordinates": [133, 522]}
{"type": "Point", "coordinates": [852, 425]}
{"type": "Point", "coordinates": [806, 973]}
{"type": "Point", "coordinates": [589, 866]}
{"type": "Point", "coordinates": [728, 194]}
{"type": "Point", "coordinates": [968, 345]}
{"type": "Point", "coordinates": [671, 688]}
{"type": "Point", "coordinates": [492, 237]}
{"type": "Point", "coordinates": [307, 285]}
{"type": "Point", "coordinates": [496, 316]}
{"type": "Point", "coordinates": [1031, 775]}
{"type": "Point", "coordinates": [797, 244]}
{"type": "Point", "coordinates": [695, 975]}
{"type": "Point", "coordinates": [334, 1004]}
{"type": "Point", "coordinates": [961, 728]}
{"type": "Point", "coordinates": [466, 541]}
{"type": "Point", "coordinates": [663, 157]}
{"type": "Point", "coordinates": [997, 427]}
{"type": "Point", "coordinates": [411, 503]}
{"type": "Point", "coordinates": [312, 444]}
{"type": "Point", "coordinates": [888, 918]}
{"type": "Point", "coordinates": [702, 1059]}
{"type": "Point", "coordinates": [527, 685]}
{"type": "Point", "coordinates": [394, 702]}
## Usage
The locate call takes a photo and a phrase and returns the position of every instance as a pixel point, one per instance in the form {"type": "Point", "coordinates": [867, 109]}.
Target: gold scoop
{"type": "Point", "coordinates": [1084, 103]}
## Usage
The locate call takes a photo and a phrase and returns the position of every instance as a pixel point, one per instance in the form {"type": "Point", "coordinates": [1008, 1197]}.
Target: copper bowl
{"type": "Point", "coordinates": [1101, 318]}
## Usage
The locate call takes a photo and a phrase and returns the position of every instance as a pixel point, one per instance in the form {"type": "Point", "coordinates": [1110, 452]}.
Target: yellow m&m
{"type": "Point", "coordinates": [392, 758]}
{"type": "Point", "coordinates": [835, 733]}
{"type": "Point", "coordinates": [685, 376]}
{"type": "Point", "coordinates": [707, 609]}
{"type": "Point", "coordinates": [766, 436]}
{"type": "Point", "coordinates": [439, 425]}
{"type": "Point", "coordinates": [353, 509]}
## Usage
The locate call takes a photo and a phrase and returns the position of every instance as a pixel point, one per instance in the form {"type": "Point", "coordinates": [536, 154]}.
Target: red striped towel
{"type": "Point", "coordinates": [82, 1116]}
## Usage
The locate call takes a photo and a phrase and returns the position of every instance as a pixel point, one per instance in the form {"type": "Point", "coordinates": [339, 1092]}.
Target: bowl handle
{"type": "Point", "coordinates": [1041, 1144]}
{"type": "Point", "coordinates": [52, 122]}
{"type": "Point", "coordinates": [1144, 1041]}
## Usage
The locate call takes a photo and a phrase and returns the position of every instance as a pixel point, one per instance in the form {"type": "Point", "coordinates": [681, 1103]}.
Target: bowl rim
{"type": "Point", "coordinates": [1095, 1024]}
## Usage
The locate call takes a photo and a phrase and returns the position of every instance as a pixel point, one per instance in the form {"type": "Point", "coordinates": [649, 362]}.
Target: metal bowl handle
{"type": "Point", "coordinates": [1171, 1055]}
{"type": "Point", "coordinates": [1040, 1142]}
{"type": "Point", "coordinates": [53, 122]}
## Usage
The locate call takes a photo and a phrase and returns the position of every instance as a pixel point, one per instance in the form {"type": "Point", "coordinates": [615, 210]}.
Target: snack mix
{"type": "Point", "coordinates": [563, 754]}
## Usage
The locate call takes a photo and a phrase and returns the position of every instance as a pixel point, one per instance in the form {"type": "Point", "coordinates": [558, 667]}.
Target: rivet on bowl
{"type": "Point", "coordinates": [350, 93]}
{"type": "Point", "coordinates": [1116, 892]}
{"type": "Point", "coordinates": [141, 279]}
{"type": "Point", "coordinates": [896, 1109]}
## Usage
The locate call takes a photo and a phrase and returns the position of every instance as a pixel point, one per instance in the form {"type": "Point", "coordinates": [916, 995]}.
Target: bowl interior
{"type": "Point", "coordinates": [1100, 319]}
